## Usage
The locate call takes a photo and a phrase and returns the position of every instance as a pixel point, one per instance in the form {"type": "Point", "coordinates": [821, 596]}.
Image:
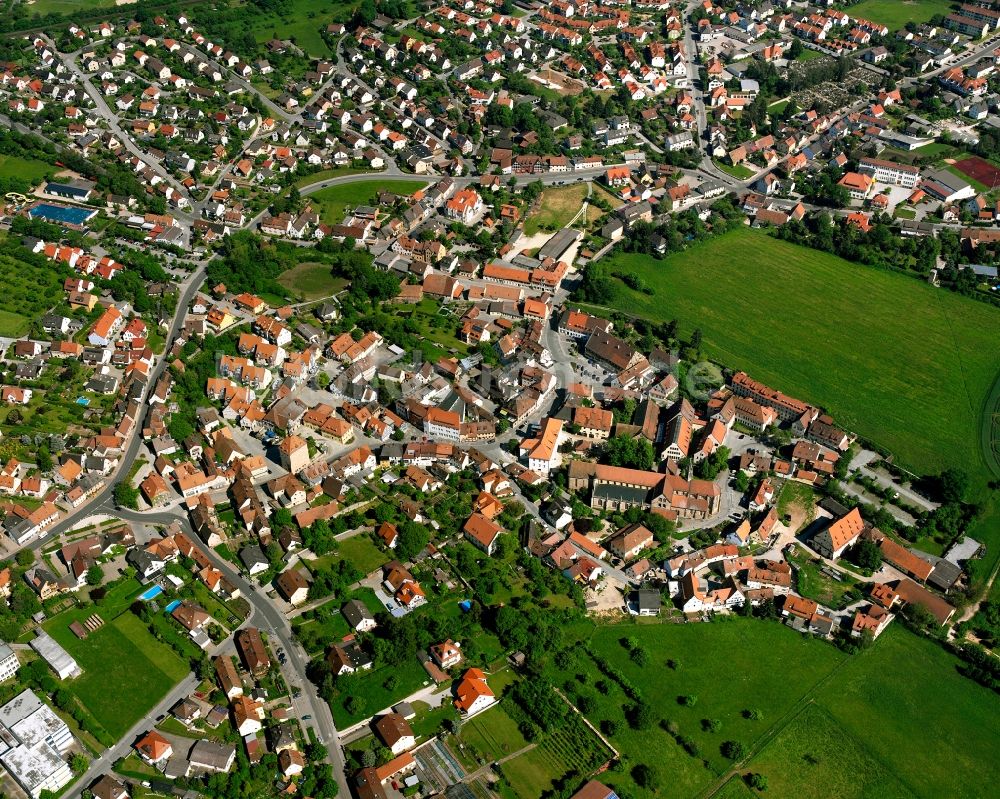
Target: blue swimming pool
{"type": "Point", "coordinates": [151, 593]}
{"type": "Point", "coordinates": [169, 608]}
{"type": "Point", "coordinates": [63, 214]}
{"type": "Point", "coordinates": [84, 401]}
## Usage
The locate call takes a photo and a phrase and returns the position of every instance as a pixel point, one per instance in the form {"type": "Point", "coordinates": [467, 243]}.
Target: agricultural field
{"type": "Point", "coordinates": [896, 13]}
{"type": "Point", "coordinates": [11, 166]}
{"type": "Point", "coordinates": [572, 748]}
{"type": "Point", "coordinates": [912, 347]}
{"type": "Point", "coordinates": [557, 205]}
{"type": "Point", "coordinates": [122, 654]}
{"type": "Point", "coordinates": [311, 281]}
{"type": "Point", "coordinates": [331, 203]}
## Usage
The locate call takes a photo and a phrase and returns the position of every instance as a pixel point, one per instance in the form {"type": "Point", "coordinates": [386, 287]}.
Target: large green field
{"type": "Point", "coordinates": [730, 667]}
{"type": "Point", "coordinates": [813, 758]}
{"type": "Point", "coordinates": [896, 13]}
{"type": "Point", "coordinates": [125, 670]}
{"type": "Point", "coordinates": [67, 6]}
{"type": "Point", "coordinates": [333, 201]}
{"type": "Point", "coordinates": [898, 361]}
{"type": "Point", "coordinates": [896, 720]}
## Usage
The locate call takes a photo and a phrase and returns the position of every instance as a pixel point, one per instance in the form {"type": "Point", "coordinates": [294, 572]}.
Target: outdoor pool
{"type": "Point", "coordinates": [169, 608]}
{"type": "Point", "coordinates": [151, 593]}
{"type": "Point", "coordinates": [63, 214]}
{"type": "Point", "coordinates": [84, 401]}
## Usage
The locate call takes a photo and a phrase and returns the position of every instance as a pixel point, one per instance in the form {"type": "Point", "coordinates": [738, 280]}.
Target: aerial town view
{"type": "Point", "coordinates": [499, 399]}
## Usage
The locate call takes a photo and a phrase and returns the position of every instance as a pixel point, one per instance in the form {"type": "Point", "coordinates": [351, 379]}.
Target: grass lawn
{"type": "Point", "coordinates": [491, 735]}
{"type": "Point", "coordinates": [896, 14]}
{"type": "Point", "coordinates": [125, 670]}
{"type": "Point", "coordinates": [370, 689]}
{"type": "Point", "coordinates": [809, 55]}
{"type": "Point", "coordinates": [935, 729]}
{"type": "Point", "coordinates": [730, 666]}
{"type": "Point", "coordinates": [11, 166]}
{"type": "Point", "coordinates": [813, 584]}
{"type": "Point", "coordinates": [909, 345]}
{"type": "Point", "coordinates": [738, 171]}
{"type": "Point", "coordinates": [326, 174]}
{"type": "Point", "coordinates": [331, 203]}
{"type": "Point", "coordinates": [13, 325]}
{"type": "Point", "coordinates": [813, 758]}
{"type": "Point", "coordinates": [734, 789]}
{"type": "Point", "coordinates": [778, 107]}
{"type": "Point", "coordinates": [436, 329]}
{"type": "Point", "coordinates": [800, 496]}
{"type": "Point", "coordinates": [358, 549]}
{"type": "Point", "coordinates": [300, 21]}
{"type": "Point", "coordinates": [557, 206]}
{"type": "Point", "coordinates": [311, 281]}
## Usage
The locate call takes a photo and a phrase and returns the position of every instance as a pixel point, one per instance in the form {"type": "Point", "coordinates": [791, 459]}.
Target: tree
{"type": "Point", "coordinates": [126, 496]}
{"type": "Point", "coordinates": [643, 775]}
{"type": "Point", "coordinates": [412, 539]}
{"type": "Point", "coordinates": [635, 453]}
{"type": "Point", "coordinates": [25, 558]}
{"type": "Point", "coordinates": [733, 750]}
{"type": "Point", "coordinates": [795, 50]}
{"type": "Point", "coordinates": [953, 485]}
{"type": "Point", "coordinates": [868, 555]}
{"type": "Point", "coordinates": [642, 716]}
{"type": "Point", "coordinates": [43, 458]}
{"type": "Point", "coordinates": [757, 782]}
{"type": "Point", "coordinates": [94, 575]}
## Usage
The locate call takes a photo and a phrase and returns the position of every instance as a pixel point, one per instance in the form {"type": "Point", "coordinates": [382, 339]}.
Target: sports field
{"type": "Point", "coordinates": [979, 170]}
{"type": "Point", "coordinates": [893, 359]}
{"type": "Point", "coordinates": [333, 201]}
{"type": "Point", "coordinates": [896, 13]}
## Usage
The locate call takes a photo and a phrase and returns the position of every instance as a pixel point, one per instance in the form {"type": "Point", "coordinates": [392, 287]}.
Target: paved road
{"type": "Point", "coordinates": [105, 497]}
{"type": "Point", "coordinates": [111, 117]}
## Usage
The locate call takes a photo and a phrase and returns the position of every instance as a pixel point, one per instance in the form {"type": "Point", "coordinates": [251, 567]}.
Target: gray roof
{"type": "Point", "coordinates": [355, 611]}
